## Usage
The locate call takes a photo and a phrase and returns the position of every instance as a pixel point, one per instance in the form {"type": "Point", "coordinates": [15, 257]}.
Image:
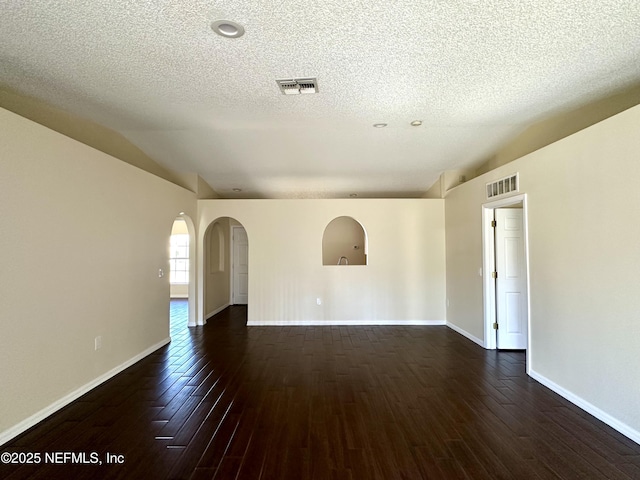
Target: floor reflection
{"type": "Point", "coordinates": [178, 315]}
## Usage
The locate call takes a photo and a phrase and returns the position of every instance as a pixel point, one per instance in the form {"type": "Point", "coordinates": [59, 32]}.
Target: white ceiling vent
{"type": "Point", "coordinates": [503, 186]}
{"type": "Point", "coordinates": [296, 86]}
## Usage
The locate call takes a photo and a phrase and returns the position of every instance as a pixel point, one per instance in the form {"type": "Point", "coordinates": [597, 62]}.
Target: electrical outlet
{"type": "Point", "coordinates": [98, 342]}
{"type": "Point", "coordinates": [319, 301]}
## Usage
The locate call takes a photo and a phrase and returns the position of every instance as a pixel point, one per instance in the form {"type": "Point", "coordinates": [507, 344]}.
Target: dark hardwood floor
{"type": "Point", "coordinates": [229, 402]}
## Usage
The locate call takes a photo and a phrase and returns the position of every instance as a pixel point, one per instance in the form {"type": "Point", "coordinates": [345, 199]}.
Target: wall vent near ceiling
{"type": "Point", "coordinates": [503, 186]}
{"type": "Point", "coordinates": [297, 86]}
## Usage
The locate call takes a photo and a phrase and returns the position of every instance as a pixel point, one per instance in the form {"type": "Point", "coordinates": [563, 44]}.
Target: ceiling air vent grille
{"type": "Point", "coordinates": [297, 86]}
{"type": "Point", "coordinates": [503, 186]}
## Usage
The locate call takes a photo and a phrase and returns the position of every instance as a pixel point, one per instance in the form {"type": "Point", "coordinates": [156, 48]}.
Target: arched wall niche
{"type": "Point", "coordinates": [344, 242]}
{"type": "Point", "coordinates": [214, 240]}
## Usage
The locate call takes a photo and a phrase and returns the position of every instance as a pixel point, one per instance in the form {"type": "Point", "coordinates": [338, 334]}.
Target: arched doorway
{"type": "Point", "coordinates": [182, 311]}
{"type": "Point", "coordinates": [225, 261]}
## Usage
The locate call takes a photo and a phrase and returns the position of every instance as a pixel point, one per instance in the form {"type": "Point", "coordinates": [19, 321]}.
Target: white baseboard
{"type": "Point", "coordinates": [614, 423]}
{"type": "Point", "coordinates": [67, 399]}
{"type": "Point", "coordinates": [335, 323]}
{"type": "Point", "coordinates": [464, 333]}
{"type": "Point", "coordinates": [216, 311]}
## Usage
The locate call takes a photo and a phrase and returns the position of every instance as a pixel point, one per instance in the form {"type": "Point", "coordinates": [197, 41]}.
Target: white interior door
{"type": "Point", "coordinates": [511, 282]}
{"type": "Point", "coordinates": [240, 266]}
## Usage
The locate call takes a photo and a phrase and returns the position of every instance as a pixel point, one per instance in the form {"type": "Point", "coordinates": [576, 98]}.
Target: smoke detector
{"type": "Point", "coordinates": [297, 86]}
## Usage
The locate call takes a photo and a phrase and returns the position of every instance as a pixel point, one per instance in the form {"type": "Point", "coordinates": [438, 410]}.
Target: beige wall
{"type": "Point", "coordinates": [83, 238]}
{"type": "Point", "coordinates": [559, 126]}
{"type": "Point", "coordinates": [92, 134]}
{"type": "Point", "coordinates": [550, 129]}
{"type": "Point", "coordinates": [179, 291]}
{"type": "Point", "coordinates": [404, 280]}
{"type": "Point", "coordinates": [449, 180]}
{"type": "Point", "coordinates": [583, 209]}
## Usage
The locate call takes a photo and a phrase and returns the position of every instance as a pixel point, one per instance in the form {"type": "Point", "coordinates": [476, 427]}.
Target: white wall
{"type": "Point", "coordinates": [403, 282]}
{"type": "Point", "coordinates": [584, 252]}
{"type": "Point", "coordinates": [83, 236]}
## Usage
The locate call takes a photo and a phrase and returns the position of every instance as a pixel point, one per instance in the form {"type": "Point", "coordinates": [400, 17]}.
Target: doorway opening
{"type": "Point", "coordinates": [181, 274]}
{"type": "Point", "coordinates": [506, 274]}
{"type": "Point", "coordinates": [226, 266]}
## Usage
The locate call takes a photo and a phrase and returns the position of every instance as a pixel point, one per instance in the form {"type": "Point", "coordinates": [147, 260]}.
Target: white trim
{"type": "Point", "coordinates": [613, 422]}
{"type": "Point", "coordinates": [466, 334]}
{"type": "Point", "coordinates": [488, 286]}
{"type": "Point", "coordinates": [232, 263]}
{"type": "Point", "coordinates": [334, 323]}
{"type": "Point", "coordinates": [192, 291]}
{"type": "Point", "coordinates": [67, 399]}
{"type": "Point", "coordinates": [216, 311]}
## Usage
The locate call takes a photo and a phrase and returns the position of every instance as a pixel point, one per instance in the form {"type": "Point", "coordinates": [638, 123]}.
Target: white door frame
{"type": "Point", "coordinates": [193, 277]}
{"type": "Point", "coordinates": [488, 263]}
{"type": "Point", "coordinates": [232, 260]}
{"type": "Point", "coordinates": [192, 292]}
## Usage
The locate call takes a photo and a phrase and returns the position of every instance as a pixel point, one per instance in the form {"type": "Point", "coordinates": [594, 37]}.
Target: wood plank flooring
{"type": "Point", "coordinates": [226, 401]}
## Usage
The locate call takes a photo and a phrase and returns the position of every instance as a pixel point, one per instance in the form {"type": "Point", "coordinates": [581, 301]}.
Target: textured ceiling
{"type": "Point", "coordinates": [475, 72]}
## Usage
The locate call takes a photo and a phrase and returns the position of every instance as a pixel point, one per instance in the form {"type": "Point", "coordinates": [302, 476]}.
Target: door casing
{"type": "Point", "coordinates": [488, 262]}
{"type": "Point", "coordinates": [232, 286]}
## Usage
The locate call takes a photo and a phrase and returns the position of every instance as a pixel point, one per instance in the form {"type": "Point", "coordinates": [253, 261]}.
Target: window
{"type": "Point", "coordinates": [179, 259]}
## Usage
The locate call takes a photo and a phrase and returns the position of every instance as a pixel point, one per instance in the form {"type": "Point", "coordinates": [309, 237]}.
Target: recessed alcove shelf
{"type": "Point", "coordinates": [344, 243]}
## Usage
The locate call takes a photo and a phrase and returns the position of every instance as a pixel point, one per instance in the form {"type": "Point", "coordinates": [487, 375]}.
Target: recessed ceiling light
{"type": "Point", "coordinates": [416, 123]}
{"type": "Point", "coordinates": [227, 28]}
{"type": "Point", "coordinates": [237, 189]}
{"type": "Point", "coordinates": [379, 125]}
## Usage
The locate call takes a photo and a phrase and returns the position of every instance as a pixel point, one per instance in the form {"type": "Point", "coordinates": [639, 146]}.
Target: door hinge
{"type": "Point", "coordinates": [494, 274]}
{"type": "Point", "coordinates": [495, 325]}
{"type": "Point", "coordinates": [494, 224]}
